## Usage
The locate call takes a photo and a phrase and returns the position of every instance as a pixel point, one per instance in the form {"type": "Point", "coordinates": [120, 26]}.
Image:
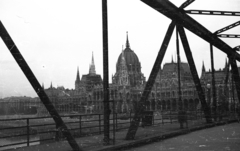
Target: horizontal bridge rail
{"type": "Point", "coordinates": [79, 125]}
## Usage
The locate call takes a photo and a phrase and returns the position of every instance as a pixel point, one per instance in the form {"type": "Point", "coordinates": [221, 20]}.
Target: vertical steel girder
{"type": "Point", "coordinates": [180, 17]}
{"type": "Point", "coordinates": [37, 87]}
{"type": "Point", "coordinates": [213, 84]}
{"type": "Point", "coordinates": [140, 107]}
{"type": "Point", "coordinates": [180, 103]}
{"type": "Point", "coordinates": [226, 82]}
{"type": "Point", "coordinates": [201, 95]}
{"type": "Point", "coordinates": [235, 74]}
{"type": "Point", "coordinates": [105, 73]}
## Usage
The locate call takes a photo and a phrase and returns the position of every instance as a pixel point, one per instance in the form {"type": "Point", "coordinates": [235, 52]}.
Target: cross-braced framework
{"type": "Point", "coordinates": [43, 96]}
{"type": "Point", "coordinates": [181, 20]}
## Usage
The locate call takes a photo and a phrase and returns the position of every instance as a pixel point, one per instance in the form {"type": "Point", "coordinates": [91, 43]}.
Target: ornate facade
{"type": "Point", "coordinates": [89, 80]}
{"type": "Point", "coordinates": [127, 83]}
{"type": "Point", "coordinates": [225, 92]}
{"type": "Point", "coordinates": [165, 93]}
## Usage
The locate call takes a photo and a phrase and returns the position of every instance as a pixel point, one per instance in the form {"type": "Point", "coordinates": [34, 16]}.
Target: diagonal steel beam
{"type": "Point", "coordinates": [214, 97]}
{"type": "Point", "coordinates": [186, 3]}
{"type": "Point", "coordinates": [211, 12]}
{"type": "Point", "coordinates": [135, 123]}
{"type": "Point", "coordinates": [206, 109]}
{"type": "Point", "coordinates": [37, 87]}
{"type": "Point", "coordinates": [227, 27]}
{"type": "Point", "coordinates": [140, 108]}
{"type": "Point", "coordinates": [180, 17]}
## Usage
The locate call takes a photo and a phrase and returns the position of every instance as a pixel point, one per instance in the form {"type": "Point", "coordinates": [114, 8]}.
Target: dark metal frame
{"type": "Point", "coordinates": [107, 111]}
{"type": "Point", "coordinates": [228, 36]}
{"type": "Point", "coordinates": [227, 27]}
{"type": "Point", "coordinates": [213, 85]}
{"type": "Point", "coordinates": [181, 19]}
{"type": "Point", "coordinates": [180, 103]}
{"type": "Point", "coordinates": [210, 12]}
{"type": "Point", "coordinates": [206, 109]}
{"type": "Point", "coordinates": [140, 106]}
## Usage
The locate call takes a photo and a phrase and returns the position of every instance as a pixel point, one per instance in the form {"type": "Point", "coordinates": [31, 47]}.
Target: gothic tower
{"type": "Point", "coordinates": [92, 70]}
{"type": "Point", "coordinates": [77, 82]}
{"type": "Point", "coordinates": [203, 70]}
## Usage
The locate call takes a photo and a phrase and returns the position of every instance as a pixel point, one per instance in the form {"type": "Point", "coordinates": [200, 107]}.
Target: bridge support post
{"type": "Point", "coordinates": [107, 110]}
{"type": "Point", "coordinates": [235, 74]}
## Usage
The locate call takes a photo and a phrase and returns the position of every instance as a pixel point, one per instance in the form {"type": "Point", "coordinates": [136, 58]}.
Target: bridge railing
{"type": "Point", "coordinates": [20, 132]}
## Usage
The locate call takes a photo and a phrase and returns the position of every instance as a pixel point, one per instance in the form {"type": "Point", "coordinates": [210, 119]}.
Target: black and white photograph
{"type": "Point", "coordinates": [134, 75]}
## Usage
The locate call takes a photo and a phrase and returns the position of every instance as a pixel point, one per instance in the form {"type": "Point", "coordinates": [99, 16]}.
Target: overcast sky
{"type": "Point", "coordinates": [57, 36]}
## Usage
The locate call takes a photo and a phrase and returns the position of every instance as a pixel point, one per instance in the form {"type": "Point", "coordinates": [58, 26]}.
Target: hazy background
{"type": "Point", "coordinates": [57, 36]}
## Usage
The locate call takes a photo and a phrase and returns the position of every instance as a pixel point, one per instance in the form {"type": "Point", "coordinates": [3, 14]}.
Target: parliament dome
{"type": "Point", "coordinates": [131, 58]}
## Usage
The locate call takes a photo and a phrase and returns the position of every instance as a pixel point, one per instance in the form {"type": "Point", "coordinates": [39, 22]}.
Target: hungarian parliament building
{"type": "Point", "coordinates": [126, 89]}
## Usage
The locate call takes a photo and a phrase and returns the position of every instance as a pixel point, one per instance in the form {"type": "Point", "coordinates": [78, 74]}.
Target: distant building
{"type": "Point", "coordinates": [225, 92]}
{"type": "Point", "coordinates": [127, 83]}
{"type": "Point", "coordinates": [165, 93]}
{"type": "Point", "coordinates": [127, 86]}
{"type": "Point", "coordinates": [89, 80]}
{"type": "Point", "coordinates": [18, 105]}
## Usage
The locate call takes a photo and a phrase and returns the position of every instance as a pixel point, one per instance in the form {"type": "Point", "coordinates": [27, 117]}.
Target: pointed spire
{"type": "Point", "coordinates": [93, 59]}
{"type": "Point", "coordinates": [127, 42]}
{"type": "Point", "coordinates": [172, 59]}
{"type": "Point", "coordinates": [51, 86]}
{"type": "Point", "coordinates": [92, 70]}
{"type": "Point", "coordinates": [42, 86]}
{"type": "Point", "coordinates": [226, 64]}
{"type": "Point", "coordinates": [203, 67]}
{"type": "Point", "coordinates": [78, 76]}
{"type": "Point", "coordinates": [123, 58]}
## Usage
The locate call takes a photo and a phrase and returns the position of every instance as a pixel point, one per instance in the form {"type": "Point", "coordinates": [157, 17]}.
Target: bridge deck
{"type": "Point", "coordinates": [144, 136]}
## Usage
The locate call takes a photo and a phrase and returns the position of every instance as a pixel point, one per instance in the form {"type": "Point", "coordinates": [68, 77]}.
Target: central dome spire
{"type": "Point", "coordinates": [127, 42]}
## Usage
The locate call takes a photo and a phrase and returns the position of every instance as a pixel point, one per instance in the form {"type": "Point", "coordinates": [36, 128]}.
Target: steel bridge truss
{"type": "Point", "coordinates": [181, 20]}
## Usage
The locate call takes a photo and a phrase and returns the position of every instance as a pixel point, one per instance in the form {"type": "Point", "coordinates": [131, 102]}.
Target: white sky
{"type": "Point", "coordinates": [56, 36]}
